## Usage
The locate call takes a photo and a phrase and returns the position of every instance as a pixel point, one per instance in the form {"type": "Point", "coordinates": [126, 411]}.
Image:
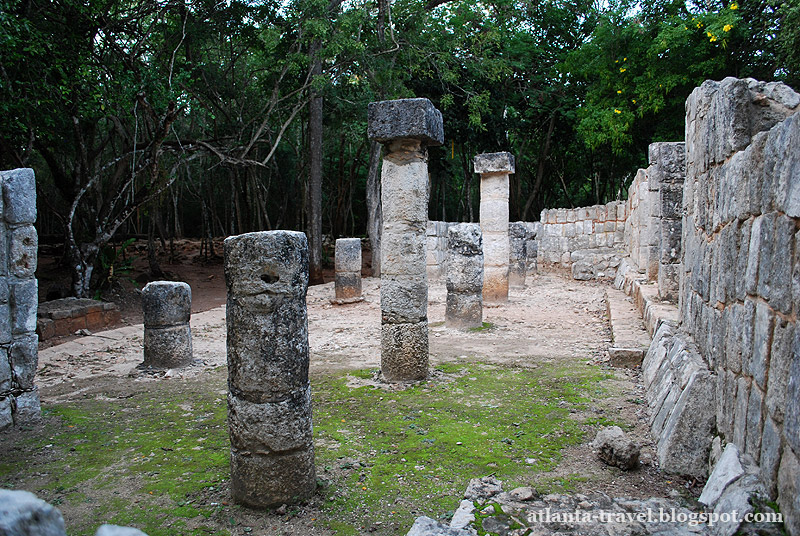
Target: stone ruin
{"type": "Point", "coordinates": [494, 169]}
{"type": "Point", "coordinates": [167, 309]}
{"type": "Point", "coordinates": [406, 128]}
{"type": "Point", "coordinates": [19, 344]}
{"type": "Point", "coordinates": [464, 308]}
{"type": "Point", "coordinates": [269, 394]}
{"type": "Point", "coordinates": [347, 264]}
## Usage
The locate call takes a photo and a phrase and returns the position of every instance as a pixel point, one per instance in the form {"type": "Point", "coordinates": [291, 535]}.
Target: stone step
{"type": "Point", "coordinates": [630, 339]}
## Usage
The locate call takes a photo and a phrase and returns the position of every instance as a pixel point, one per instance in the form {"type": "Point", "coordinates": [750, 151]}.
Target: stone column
{"type": "Point", "coordinates": [348, 271]}
{"type": "Point", "coordinates": [464, 276]}
{"type": "Point", "coordinates": [167, 308]}
{"type": "Point", "coordinates": [19, 299]}
{"type": "Point", "coordinates": [406, 128]}
{"type": "Point", "coordinates": [494, 169]}
{"type": "Point", "coordinates": [269, 395]}
{"type": "Point", "coordinates": [668, 172]}
{"type": "Point", "coordinates": [517, 258]}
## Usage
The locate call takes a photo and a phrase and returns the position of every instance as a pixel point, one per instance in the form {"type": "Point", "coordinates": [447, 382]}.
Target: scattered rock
{"type": "Point", "coordinates": [425, 526]}
{"type": "Point", "coordinates": [615, 448]}
{"type": "Point", "coordinates": [481, 489]}
{"type": "Point", "coordinates": [115, 530]}
{"type": "Point", "coordinates": [522, 494]}
{"type": "Point", "coordinates": [24, 514]}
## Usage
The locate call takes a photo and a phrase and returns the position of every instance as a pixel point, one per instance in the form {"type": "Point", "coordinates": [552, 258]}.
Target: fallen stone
{"type": "Point", "coordinates": [481, 489]}
{"type": "Point", "coordinates": [116, 530]}
{"type": "Point", "coordinates": [582, 271]}
{"type": "Point", "coordinates": [615, 448]}
{"type": "Point", "coordinates": [425, 526]}
{"type": "Point", "coordinates": [525, 493]}
{"type": "Point", "coordinates": [463, 516]}
{"type": "Point", "coordinates": [727, 470]}
{"type": "Point", "coordinates": [24, 514]}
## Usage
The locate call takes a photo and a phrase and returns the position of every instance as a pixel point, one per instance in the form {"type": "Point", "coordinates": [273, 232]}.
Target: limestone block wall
{"type": "Point", "coordinates": [593, 236]}
{"type": "Point", "coordinates": [436, 248]}
{"type": "Point", "coordinates": [19, 298]}
{"type": "Point", "coordinates": [642, 228]}
{"type": "Point", "coordinates": [740, 278]}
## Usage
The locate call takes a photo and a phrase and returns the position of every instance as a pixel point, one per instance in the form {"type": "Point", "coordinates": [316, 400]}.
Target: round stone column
{"type": "Point", "coordinates": [269, 395]}
{"type": "Point", "coordinates": [406, 128]}
{"type": "Point", "coordinates": [167, 309]}
{"type": "Point", "coordinates": [464, 276]}
{"type": "Point", "coordinates": [518, 258]}
{"type": "Point", "coordinates": [347, 263]}
{"type": "Point", "coordinates": [494, 169]}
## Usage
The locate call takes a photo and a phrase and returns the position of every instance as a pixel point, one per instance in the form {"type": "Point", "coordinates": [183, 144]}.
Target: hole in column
{"type": "Point", "coordinates": [270, 278]}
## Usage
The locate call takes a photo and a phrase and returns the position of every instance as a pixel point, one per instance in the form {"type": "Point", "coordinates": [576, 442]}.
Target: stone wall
{"type": "Point", "coordinates": [588, 239]}
{"type": "Point", "coordinates": [740, 286]}
{"type": "Point", "coordinates": [19, 344]}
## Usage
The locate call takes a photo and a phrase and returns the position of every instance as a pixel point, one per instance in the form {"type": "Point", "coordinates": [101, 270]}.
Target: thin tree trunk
{"type": "Point", "coordinates": [374, 209]}
{"type": "Point", "coordinates": [315, 177]}
{"type": "Point", "coordinates": [540, 168]}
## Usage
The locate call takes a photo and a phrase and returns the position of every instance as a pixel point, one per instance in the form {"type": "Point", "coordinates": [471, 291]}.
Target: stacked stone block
{"type": "Point", "coordinates": [405, 128]}
{"type": "Point", "coordinates": [494, 169]}
{"type": "Point", "coordinates": [740, 280]}
{"type": "Point", "coordinates": [19, 354]}
{"type": "Point", "coordinates": [643, 225]}
{"type": "Point", "coordinates": [269, 395]}
{"type": "Point", "coordinates": [436, 248]}
{"type": "Point", "coordinates": [518, 258]}
{"type": "Point", "coordinates": [533, 230]}
{"type": "Point", "coordinates": [167, 309]}
{"type": "Point", "coordinates": [668, 171]}
{"type": "Point", "coordinates": [589, 240]}
{"type": "Point", "coordinates": [464, 276]}
{"type": "Point", "coordinates": [65, 316]}
{"type": "Point", "coordinates": [347, 263]}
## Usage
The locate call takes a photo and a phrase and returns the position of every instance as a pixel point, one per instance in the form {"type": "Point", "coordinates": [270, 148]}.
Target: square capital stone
{"type": "Point", "coordinates": [494, 163]}
{"type": "Point", "coordinates": [405, 119]}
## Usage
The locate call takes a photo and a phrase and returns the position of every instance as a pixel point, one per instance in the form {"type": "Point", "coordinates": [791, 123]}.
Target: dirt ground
{"type": "Point", "coordinates": [551, 316]}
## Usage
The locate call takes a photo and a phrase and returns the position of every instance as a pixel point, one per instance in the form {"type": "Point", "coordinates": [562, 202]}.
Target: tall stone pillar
{"type": "Point", "coordinates": [406, 128]}
{"type": "Point", "coordinates": [347, 262]}
{"type": "Point", "coordinates": [494, 169]}
{"type": "Point", "coordinates": [167, 309]}
{"type": "Point", "coordinates": [19, 299]}
{"type": "Point", "coordinates": [269, 395]}
{"type": "Point", "coordinates": [464, 276]}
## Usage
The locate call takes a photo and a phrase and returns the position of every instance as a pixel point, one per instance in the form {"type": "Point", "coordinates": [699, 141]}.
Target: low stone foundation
{"type": "Point", "coordinates": [62, 317]}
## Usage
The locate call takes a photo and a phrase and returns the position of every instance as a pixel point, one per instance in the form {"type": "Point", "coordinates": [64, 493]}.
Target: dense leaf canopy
{"type": "Point", "coordinates": [191, 117]}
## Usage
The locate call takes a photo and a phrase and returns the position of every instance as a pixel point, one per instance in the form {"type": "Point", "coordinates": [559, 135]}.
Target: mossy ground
{"type": "Point", "coordinates": [155, 456]}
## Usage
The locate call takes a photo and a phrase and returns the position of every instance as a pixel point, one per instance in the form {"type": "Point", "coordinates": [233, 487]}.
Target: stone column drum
{"type": "Point", "coordinates": [494, 169]}
{"type": "Point", "coordinates": [348, 270]}
{"type": "Point", "coordinates": [19, 299]}
{"type": "Point", "coordinates": [518, 257]}
{"type": "Point", "coordinates": [269, 395]}
{"type": "Point", "coordinates": [406, 128]}
{"type": "Point", "coordinates": [464, 276]}
{"type": "Point", "coordinates": [167, 309]}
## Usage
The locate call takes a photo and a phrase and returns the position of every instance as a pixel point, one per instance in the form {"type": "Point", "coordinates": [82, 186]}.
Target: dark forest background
{"type": "Point", "coordinates": [203, 118]}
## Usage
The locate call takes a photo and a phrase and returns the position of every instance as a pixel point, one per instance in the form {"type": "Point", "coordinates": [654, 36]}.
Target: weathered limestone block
{"type": "Point", "coordinates": [167, 308]}
{"type": "Point", "coordinates": [22, 513]}
{"type": "Point", "coordinates": [347, 263]}
{"type": "Point", "coordinates": [494, 169]}
{"type": "Point", "coordinates": [464, 276]}
{"type": "Point", "coordinates": [19, 196]}
{"type": "Point", "coordinates": [269, 401]}
{"type": "Point", "coordinates": [406, 127]}
{"type": "Point", "coordinates": [615, 448]}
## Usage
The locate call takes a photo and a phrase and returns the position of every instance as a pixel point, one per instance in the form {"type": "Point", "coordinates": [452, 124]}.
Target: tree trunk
{"type": "Point", "coordinates": [540, 168]}
{"type": "Point", "coordinates": [374, 209]}
{"type": "Point", "coordinates": [315, 178]}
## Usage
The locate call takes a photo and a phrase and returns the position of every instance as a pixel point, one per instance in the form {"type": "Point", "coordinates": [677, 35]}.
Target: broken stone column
{"type": "Point", "coordinates": [517, 259]}
{"type": "Point", "coordinates": [167, 309]}
{"type": "Point", "coordinates": [269, 395]}
{"type": "Point", "coordinates": [348, 271]}
{"type": "Point", "coordinates": [464, 276]}
{"type": "Point", "coordinates": [19, 299]}
{"type": "Point", "coordinates": [406, 128]}
{"type": "Point", "coordinates": [494, 169]}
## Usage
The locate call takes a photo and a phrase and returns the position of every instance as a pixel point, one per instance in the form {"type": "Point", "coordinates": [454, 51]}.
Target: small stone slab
{"type": "Point", "coordinates": [403, 119]}
{"type": "Point", "coordinates": [346, 301]}
{"type": "Point", "coordinates": [494, 163]}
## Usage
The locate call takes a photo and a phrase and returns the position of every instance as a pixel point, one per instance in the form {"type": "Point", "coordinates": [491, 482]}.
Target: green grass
{"type": "Point", "coordinates": [158, 459]}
